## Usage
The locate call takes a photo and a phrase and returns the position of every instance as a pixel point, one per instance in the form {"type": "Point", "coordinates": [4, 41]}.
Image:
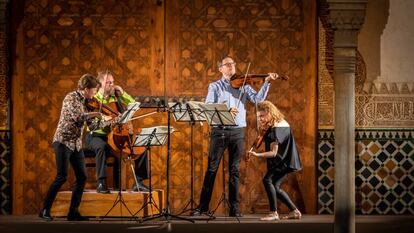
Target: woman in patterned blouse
{"type": "Point", "coordinates": [67, 144]}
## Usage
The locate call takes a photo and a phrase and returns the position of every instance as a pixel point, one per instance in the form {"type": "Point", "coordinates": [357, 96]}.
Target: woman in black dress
{"type": "Point", "coordinates": [282, 158]}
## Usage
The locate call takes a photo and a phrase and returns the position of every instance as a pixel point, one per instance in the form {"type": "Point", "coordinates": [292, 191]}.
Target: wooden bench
{"type": "Point", "coordinates": [112, 171]}
{"type": "Point", "coordinates": [97, 204]}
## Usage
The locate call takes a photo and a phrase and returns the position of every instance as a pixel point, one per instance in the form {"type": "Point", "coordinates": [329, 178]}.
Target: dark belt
{"type": "Point", "coordinates": [99, 135]}
{"type": "Point", "coordinates": [226, 128]}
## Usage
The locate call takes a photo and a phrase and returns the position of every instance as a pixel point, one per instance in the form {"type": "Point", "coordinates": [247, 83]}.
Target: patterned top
{"type": "Point", "coordinates": [72, 119]}
{"type": "Point", "coordinates": [221, 91]}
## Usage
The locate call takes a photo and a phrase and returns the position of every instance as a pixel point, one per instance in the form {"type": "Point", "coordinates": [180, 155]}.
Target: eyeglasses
{"type": "Point", "coordinates": [229, 64]}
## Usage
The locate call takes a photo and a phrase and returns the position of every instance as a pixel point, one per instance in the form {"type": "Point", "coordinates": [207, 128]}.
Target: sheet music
{"type": "Point", "coordinates": [181, 112]}
{"type": "Point", "coordinates": [218, 115]}
{"type": "Point", "coordinates": [129, 112]}
{"type": "Point", "coordinates": [158, 137]}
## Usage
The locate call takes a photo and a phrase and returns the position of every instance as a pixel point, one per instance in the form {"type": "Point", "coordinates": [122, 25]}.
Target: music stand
{"type": "Point", "coordinates": [219, 115]}
{"type": "Point", "coordinates": [149, 137]}
{"type": "Point", "coordinates": [191, 113]}
{"type": "Point", "coordinates": [124, 118]}
{"type": "Point", "coordinates": [166, 213]}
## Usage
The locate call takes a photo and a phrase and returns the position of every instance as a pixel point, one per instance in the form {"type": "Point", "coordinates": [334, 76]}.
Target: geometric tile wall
{"type": "Point", "coordinates": [5, 175]}
{"type": "Point", "coordinates": [325, 172]}
{"type": "Point", "coordinates": [384, 172]}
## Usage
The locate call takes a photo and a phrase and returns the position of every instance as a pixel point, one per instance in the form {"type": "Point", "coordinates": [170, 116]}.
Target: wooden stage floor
{"type": "Point", "coordinates": [248, 223]}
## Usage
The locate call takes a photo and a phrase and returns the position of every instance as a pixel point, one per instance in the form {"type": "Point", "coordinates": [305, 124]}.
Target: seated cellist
{"type": "Point", "coordinates": [96, 141]}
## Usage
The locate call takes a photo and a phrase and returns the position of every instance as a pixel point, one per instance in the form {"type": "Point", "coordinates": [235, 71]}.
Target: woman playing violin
{"type": "Point", "coordinates": [114, 98]}
{"type": "Point", "coordinates": [282, 158]}
{"type": "Point", "coordinates": [67, 144]}
{"type": "Point", "coordinates": [231, 138]}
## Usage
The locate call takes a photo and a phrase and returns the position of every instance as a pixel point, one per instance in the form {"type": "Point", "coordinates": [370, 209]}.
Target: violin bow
{"type": "Point", "coordinates": [242, 87]}
{"type": "Point", "coordinates": [104, 87]}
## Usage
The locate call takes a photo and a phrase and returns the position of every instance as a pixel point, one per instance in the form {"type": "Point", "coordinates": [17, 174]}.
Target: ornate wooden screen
{"type": "Point", "coordinates": [158, 49]}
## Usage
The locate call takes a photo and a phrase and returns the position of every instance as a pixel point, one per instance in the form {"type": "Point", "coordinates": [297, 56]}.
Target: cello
{"type": "Point", "coordinates": [122, 136]}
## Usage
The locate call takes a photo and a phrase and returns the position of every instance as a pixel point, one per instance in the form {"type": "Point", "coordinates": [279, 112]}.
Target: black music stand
{"type": "Point", "coordinates": [219, 115]}
{"type": "Point", "coordinates": [149, 137]}
{"type": "Point", "coordinates": [166, 213]}
{"type": "Point", "coordinates": [190, 112]}
{"type": "Point", "coordinates": [124, 118]}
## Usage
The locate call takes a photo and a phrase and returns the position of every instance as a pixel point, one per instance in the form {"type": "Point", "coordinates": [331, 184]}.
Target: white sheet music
{"type": "Point", "coordinates": [158, 135]}
{"type": "Point", "coordinates": [129, 112]}
{"type": "Point", "coordinates": [181, 112]}
{"type": "Point", "coordinates": [218, 115]}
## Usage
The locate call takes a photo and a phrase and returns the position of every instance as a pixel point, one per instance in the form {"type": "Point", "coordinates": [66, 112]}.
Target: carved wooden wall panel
{"type": "Point", "coordinates": [4, 66]}
{"type": "Point", "coordinates": [274, 36]}
{"type": "Point", "coordinates": [58, 41]}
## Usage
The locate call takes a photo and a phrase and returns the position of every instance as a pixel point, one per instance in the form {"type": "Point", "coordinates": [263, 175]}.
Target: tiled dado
{"type": "Point", "coordinates": [5, 205]}
{"type": "Point", "coordinates": [384, 167]}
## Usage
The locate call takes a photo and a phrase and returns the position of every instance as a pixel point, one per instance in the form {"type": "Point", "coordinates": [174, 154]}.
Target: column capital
{"type": "Point", "coordinates": [346, 18]}
{"type": "Point", "coordinates": [346, 14]}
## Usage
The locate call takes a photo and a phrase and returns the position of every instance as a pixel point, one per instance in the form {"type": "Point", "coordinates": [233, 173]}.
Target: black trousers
{"type": "Point", "coordinates": [272, 181]}
{"type": "Point", "coordinates": [220, 140]}
{"type": "Point", "coordinates": [64, 156]}
{"type": "Point", "coordinates": [98, 144]}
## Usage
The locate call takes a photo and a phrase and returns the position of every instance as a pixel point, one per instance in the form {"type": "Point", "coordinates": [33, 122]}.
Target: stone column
{"type": "Point", "coordinates": [346, 18]}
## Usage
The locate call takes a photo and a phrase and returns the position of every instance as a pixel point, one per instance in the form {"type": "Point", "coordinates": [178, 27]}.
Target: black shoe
{"type": "Point", "coordinates": [101, 188]}
{"type": "Point", "coordinates": [198, 212]}
{"type": "Point", "coordinates": [45, 214]}
{"type": "Point", "coordinates": [76, 216]}
{"type": "Point", "coordinates": [140, 188]}
{"type": "Point", "coordinates": [235, 213]}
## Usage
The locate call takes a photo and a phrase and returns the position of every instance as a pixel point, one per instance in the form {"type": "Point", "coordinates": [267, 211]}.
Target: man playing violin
{"type": "Point", "coordinates": [67, 144]}
{"type": "Point", "coordinates": [110, 94]}
{"type": "Point", "coordinates": [231, 138]}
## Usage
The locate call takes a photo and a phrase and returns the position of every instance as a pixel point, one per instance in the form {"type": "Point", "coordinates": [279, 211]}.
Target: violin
{"type": "Point", "coordinates": [258, 141]}
{"type": "Point", "coordinates": [260, 137]}
{"type": "Point", "coordinates": [237, 80]}
{"type": "Point", "coordinates": [94, 104]}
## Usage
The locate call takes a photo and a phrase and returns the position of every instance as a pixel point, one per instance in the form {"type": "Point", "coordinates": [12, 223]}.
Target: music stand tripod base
{"type": "Point", "coordinates": [119, 198]}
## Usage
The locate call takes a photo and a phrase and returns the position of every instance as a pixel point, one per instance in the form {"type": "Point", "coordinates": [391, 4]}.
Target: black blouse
{"type": "Point", "coordinates": [287, 153]}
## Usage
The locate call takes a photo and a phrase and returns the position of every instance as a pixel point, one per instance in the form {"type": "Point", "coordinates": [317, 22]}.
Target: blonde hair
{"type": "Point", "coordinates": [275, 114]}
